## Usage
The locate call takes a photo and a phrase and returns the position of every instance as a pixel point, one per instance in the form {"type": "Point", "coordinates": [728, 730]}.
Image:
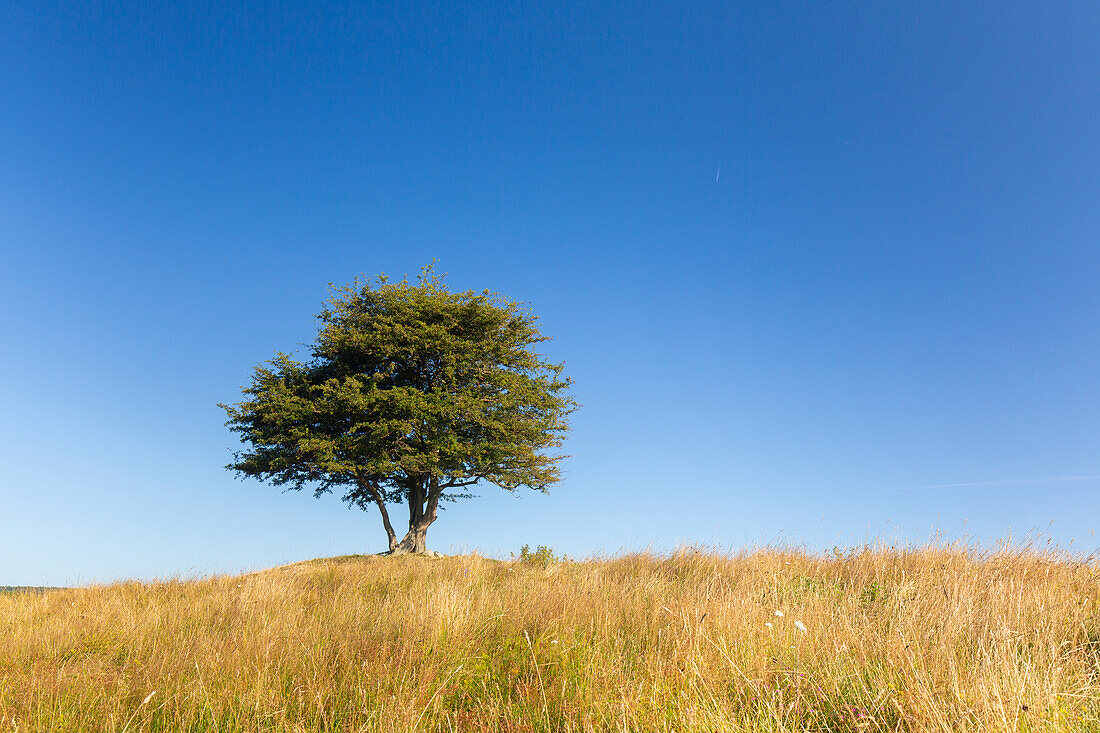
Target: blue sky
{"type": "Point", "coordinates": [799, 258]}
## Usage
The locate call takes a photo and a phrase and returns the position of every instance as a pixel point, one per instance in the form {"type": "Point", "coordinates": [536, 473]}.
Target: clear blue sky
{"type": "Point", "coordinates": [891, 283]}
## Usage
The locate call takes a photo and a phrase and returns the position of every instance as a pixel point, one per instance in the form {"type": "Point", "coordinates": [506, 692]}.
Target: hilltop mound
{"type": "Point", "coordinates": [880, 640]}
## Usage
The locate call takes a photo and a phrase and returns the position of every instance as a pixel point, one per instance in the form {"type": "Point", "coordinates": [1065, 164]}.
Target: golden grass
{"type": "Point", "coordinates": [913, 640]}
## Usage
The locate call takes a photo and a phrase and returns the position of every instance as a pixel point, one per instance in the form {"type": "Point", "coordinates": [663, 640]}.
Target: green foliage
{"type": "Point", "coordinates": [870, 593]}
{"type": "Point", "coordinates": [542, 556]}
{"type": "Point", "coordinates": [412, 393]}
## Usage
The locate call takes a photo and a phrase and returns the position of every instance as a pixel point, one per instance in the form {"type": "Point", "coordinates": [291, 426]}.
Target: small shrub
{"type": "Point", "coordinates": [542, 556]}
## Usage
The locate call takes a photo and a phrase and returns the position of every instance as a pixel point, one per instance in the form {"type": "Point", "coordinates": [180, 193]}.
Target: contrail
{"type": "Point", "coordinates": [1003, 482]}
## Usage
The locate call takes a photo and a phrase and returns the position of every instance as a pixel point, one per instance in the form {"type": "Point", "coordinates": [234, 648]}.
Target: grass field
{"type": "Point", "coordinates": [925, 639]}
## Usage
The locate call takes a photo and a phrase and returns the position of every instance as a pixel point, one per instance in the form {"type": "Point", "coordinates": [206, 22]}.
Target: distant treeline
{"type": "Point", "coordinates": [25, 588]}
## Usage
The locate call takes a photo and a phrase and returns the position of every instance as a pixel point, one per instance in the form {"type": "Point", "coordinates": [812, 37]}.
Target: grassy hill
{"type": "Point", "coordinates": [887, 640]}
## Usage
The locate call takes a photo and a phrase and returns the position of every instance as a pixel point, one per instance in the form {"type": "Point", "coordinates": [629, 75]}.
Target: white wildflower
{"type": "Point", "coordinates": [800, 626]}
{"type": "Point", "coordinates": [768, 625]}
{"type": "Point", "coordinates": [779, 614]}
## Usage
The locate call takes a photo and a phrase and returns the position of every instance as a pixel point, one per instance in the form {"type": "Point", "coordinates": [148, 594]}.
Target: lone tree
{"type": "Point", "coordinates": [412, 395]}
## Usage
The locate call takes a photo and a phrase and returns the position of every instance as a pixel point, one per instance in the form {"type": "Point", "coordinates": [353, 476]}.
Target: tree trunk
{"type": "Point", "coordinates": [420, 517]}
{"type": "Point", "coordinates": [415, 541]}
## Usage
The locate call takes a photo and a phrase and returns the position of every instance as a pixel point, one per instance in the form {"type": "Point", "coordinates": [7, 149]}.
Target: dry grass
{"type": "Point", "coordinates": [912, 640]}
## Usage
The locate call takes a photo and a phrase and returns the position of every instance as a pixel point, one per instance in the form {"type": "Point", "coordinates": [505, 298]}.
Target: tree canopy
{"type": "Point", "coordinates": [412, 394]}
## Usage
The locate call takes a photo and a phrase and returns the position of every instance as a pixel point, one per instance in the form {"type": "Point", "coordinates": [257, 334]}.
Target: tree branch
{"type": "Point", "coordinates": [455, 484]}
{"type": "Point", "coordinates": [372, 491]}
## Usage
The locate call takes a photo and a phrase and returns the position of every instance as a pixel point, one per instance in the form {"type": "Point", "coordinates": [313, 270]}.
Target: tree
{"type": "Point", "coordinates": [413, 394]}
